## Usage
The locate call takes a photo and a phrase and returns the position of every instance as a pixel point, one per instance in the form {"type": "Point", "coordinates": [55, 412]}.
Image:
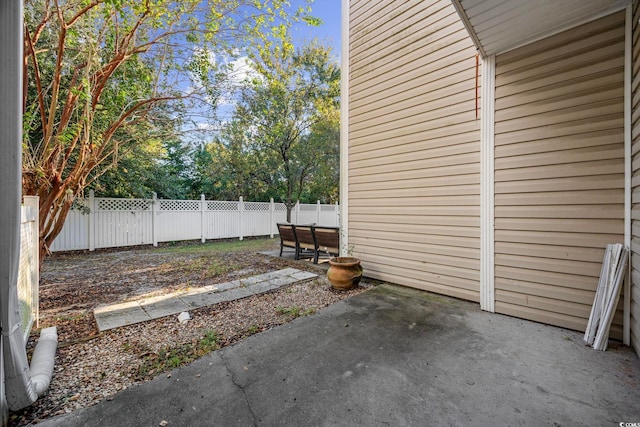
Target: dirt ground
{"type": "Point", "coordinates": [92, 366]}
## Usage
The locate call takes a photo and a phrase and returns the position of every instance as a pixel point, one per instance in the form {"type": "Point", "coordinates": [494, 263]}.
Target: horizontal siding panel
{"type": "Point", "coordinates": [452, 39]}
{"type": "Point", "coordinates": [388, 38]}
{"type": "Point", "coordinates": [549, 265]}
{"type": "Point", "coordinates": [565, 69]}
{"type": "Point", "coordinates": [423, 283]}
{"type": "Point", "coordinates": [426, 232]}
{"type": "Point", "coordinates": [576, 128]}
{"type": "Point", "coordinates": [415, 210]}
{"type": "Point", "coordinates": [579, 239]}
{"type": "Point", "coordinates": [558, 252]}
{"type": "Point", "coordinates": [386, 28]}
{"type": "Point", "coordinates": [584, 99]}
{"type": "Point", "coordinates": [596, 110]}
{"type": "Point", "coordinates": [389, 97]}
{"type": "Point", "coordinates": [541, 52]}
{"type": "Point", "coordinates": [552, 305]}
{"type": "Point", "coordinates": [470, 274]}
{"type": "Point", "coordinates": [559, 293]}
{"type": "Point", "coordinates": [421, 165]}
{"type": "Point", "coordinates": [604, 226]}
{"type": "Point", "coordinates": [434, 113]}
{"type": "Point", "coordinates": [547, 198]}
{"type": "Point", "coordinates": [550, 318]}
{"type": "Point", "coordinates": [432, 171]}
{"type": "Point", "coordinates": [606, 167]}
{"type": "Point", "coordinates": [578, 211]}
{"type": "Point", "coordinates": [433, 193]}
{"type": "Point", "coordinates": [458, 88]}
{"type": "Point", "coordinates": [561, 90]}
{"type": "Point", "coordinates": [561, 143]}
{"type": "Point", "coordinates": [460, 221]}
{"type": "Point", "coordinates": [417, 132]}
{"type": "Point", "coordinates": [512, 274]}
{"type": "Point", "coordinates": [424, 154]}
{"type": "Point", "coordinates": [599, 182]}
{"type": "Point", "coordinates": [377, 236]}
{"type": "Point", "coordinates": [418, 203]}
{"type": "Point", "coordinates": [577, 155]}
{"type": "Point", "coordinates": [587, 70]}
{"type": "Point", "coordinates": [447, 61]}
{"type": "Point", "coordinates": [428, 182]}
{"type": "Point", "coordinates": [436, 254]}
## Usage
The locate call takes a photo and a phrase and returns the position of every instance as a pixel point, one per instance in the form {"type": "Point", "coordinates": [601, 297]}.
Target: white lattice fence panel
{"type": "Point", "coordinates": [179, 205]}
{"type": "Point", "coordinates": [123, 204]}
{"type": "Point", "coordinates": [214, 205]}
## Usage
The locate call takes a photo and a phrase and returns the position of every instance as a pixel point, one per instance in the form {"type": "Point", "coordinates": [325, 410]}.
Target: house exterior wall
{"type": "Point", "coordinates": [414, 155]}
{"type": "Point", "coordinates": [635, 182]}
{"type": "Point", "coordinates": [559, 171]}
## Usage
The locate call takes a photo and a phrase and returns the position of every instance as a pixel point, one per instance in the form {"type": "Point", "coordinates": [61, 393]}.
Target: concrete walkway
{"type": "Point", "coordinates": [128, 313]}
{"type": "Point", "coordinates": [390, 356]}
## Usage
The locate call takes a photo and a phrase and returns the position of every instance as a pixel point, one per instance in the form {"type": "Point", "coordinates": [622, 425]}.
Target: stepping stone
{"type": "Point", "coordinates": [128, 313]}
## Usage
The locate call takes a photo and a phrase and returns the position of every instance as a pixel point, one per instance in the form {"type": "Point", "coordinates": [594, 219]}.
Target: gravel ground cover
{"type": "Point", "coordinates": [92, 366]}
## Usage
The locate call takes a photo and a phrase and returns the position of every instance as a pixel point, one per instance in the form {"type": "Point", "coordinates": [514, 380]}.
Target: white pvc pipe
{"type": "Point", "coordinates": [43, 359]}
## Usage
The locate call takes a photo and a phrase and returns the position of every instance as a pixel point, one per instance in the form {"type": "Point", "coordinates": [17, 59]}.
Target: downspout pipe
{"type": "Point", "coordinates": [43, 359]}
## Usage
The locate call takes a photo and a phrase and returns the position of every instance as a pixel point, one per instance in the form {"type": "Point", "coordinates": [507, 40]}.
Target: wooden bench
{"type": "Point", "coordinates": [309, 240]}
{"type": "Point", "coordinates": [327, 240]}
{"type": "Point", "coordinates": [287, 237]}
{"type": "Point", "coordinates": [306, 242]}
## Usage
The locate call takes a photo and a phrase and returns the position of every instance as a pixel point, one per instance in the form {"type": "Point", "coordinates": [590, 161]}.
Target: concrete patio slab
{"type": "Point", "coordinates": [390, 356]}
{"type": "Point", "coordinates": [143, 310]}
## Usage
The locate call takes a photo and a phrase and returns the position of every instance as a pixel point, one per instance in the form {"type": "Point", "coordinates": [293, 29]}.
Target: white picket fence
{"type": "Point", "coordinates": [108, 222]}
{"type": "Point", "coordinates": [29, 270]}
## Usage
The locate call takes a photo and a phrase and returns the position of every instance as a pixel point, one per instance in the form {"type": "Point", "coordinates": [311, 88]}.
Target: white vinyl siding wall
{"type": "Point", "coordinates": [414, 153]}
{"type": "Point", "coordinates": [559, 171]}
{"type": "Point", "coordinates": [635, 183]}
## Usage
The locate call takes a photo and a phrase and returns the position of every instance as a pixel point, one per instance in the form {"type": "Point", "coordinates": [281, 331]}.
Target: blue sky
{"type": "Point", "coordinates": [329, 31]}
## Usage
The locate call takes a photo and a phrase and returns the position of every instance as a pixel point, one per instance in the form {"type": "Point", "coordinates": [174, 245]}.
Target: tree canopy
{"type": "Point", "coordinates": [109, 79]}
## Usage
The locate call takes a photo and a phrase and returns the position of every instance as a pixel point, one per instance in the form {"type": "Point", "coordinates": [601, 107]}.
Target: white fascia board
{"type": "Point", "coordinates": [344, 132]}
{"type": "Point", "coordinates": [487, 189]}
{"type": "Point", "coordinates": [628, 64]}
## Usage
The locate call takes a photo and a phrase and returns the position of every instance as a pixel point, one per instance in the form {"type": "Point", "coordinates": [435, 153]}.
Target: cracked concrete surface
{"type": "Point", "coordinates": [390, 356]}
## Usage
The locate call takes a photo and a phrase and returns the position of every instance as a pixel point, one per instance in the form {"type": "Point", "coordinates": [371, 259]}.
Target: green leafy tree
{"type": "Point", "coordinates": [103, 75]}
{"type": "Point", "coordinates": [285, 126]}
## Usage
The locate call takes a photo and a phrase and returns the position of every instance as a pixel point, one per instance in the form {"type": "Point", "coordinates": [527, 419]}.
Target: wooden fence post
{"type": "Point", "coordinates": [91, 221]}
{"type": "Point", "coordinates": [272, 209]}
{"type": "Point", "coordinates": [203, 208]}
{"type": "Point", "coordinates": [154, 222]}
{"type": "Point", "coordinates": [241, 210]}
{"type": "Point", "coordinates": [337, 215]}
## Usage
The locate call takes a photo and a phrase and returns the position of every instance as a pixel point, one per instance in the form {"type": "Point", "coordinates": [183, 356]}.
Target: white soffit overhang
{"type": "Point", "coordinates": [498, 26]}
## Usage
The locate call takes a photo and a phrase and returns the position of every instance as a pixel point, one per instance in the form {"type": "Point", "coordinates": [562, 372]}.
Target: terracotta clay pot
{"type": "Point", "coordinates": [344, 272]}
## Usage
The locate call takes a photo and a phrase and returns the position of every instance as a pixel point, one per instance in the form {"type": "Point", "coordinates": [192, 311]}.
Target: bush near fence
{"type": "Point", "coordinates": [110, 222]}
